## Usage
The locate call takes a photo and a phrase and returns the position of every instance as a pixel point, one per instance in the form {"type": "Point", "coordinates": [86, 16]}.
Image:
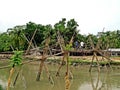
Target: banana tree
{"type": "Point", "coordinates": [16, 60]}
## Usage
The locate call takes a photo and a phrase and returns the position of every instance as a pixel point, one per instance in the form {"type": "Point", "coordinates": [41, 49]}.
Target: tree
{"type": "Point", "coordinates": [111, 39]}
{"type": "Point", "coordinates": [67, 29]}
{"type": "Point", "coordinates": [29, 30]}
{"type": "Point", "coordinates": [4, 42]}
{"type": "Point", "coordinates": [16, 37]}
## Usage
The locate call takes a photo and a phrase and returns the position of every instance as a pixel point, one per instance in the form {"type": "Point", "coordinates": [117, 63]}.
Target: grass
{"type": "Point", "coordinates": [86, 61]}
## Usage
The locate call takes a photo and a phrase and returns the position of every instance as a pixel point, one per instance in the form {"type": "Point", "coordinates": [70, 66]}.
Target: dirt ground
{"type": "Point", "coordinates": [114, 58]}
{"type": "Point", "coordinates": [86, 58]}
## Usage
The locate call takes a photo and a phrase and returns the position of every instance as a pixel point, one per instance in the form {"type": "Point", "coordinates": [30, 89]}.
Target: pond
{"type": "Point", "coordinates": [82, 79]}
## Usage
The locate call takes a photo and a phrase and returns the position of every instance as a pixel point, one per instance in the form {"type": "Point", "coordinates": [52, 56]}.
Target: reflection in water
{"type": "Point", "coordinates": [107, 82]}
{"type": "Point", "coordinates": [83, 80]}
{"type": "Point", "coordinates": [2, 85]}
{"type": "Point", "coordinates": [101, 81]}
{"type": "Point", "coordinates": [23, 79]}
{"type": "Point", "coordinates": [20, 77]}
{"type": "Point", "coordinates": [100, 84]}
{"type": "Point", "coordinates": [95, 84]}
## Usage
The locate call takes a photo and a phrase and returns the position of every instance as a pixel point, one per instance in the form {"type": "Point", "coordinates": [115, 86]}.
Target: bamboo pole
{"type": "Point", "coordinates": [30, 42]}
{"type": "Point", "coordinates": [40, 69]}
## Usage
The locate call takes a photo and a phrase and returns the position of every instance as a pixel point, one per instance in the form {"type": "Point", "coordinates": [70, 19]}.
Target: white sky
{"type": "Point", "coordinates": [91, 15]}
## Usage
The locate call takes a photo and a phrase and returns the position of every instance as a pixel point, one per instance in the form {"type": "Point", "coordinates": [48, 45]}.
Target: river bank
{"type": "Point", "coordinates": [73, 60]}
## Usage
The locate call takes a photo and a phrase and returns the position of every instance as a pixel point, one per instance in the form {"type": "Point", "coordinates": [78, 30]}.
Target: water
{"type": "Point", "coordinates": [82, 79]}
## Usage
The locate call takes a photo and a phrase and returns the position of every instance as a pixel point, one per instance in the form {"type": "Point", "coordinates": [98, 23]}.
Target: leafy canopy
{"type": "Point", "coordinates": [16, 59]}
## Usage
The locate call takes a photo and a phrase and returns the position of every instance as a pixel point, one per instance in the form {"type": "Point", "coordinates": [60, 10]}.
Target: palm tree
{"type": "Point", "coordinates": [17, 39]}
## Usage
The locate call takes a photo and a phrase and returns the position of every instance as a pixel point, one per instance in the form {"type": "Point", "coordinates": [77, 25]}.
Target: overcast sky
{"type": "Point", "coordinates": [91, 15]}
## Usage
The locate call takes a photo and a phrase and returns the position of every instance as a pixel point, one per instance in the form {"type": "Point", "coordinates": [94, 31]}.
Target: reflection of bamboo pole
{"type": "Point", "coordinates": [10, 76]}
{"type": "Point", "coordinates": [23, 79]}
{"type": "Point", "coordinates": [98, 79]}
{"type": "Point", "coordinates": [91, 80]}
{"type": "Point", "coordinates": [105, 83]}
{"type": "Point", "coordinates": [108, 81]}
{"type": "Point", "coordinates": [48, 74]}
{"type": "Point", "coordinates": [95, 87]}
{"type": "Point", "coordinates": [17, 76]}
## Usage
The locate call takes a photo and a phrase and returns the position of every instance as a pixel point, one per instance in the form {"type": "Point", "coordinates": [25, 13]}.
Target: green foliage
{"type": "Point", "coordinates": [68, 47]}
{"type": "Point", "coordinates": [67, 28]}
{"type": "Point", "coordinates": [29, 30]}
{"type": "Point", "coordinates": [14, 37]}
{"type": "Point", "coordinates": [4, 42]}
{"type": "Point", "coordinates": [110, 39]}
{"type": "Point", "coordinates": [1, 87]}
{"type": "Point", "coordinates": [17, 40]}
{"type": "Point", "coordinates": [60, 25]}
{"type": "Point", "coordinates": [16, 59]}
{"type": "Point", "coordinates": [47, 31]}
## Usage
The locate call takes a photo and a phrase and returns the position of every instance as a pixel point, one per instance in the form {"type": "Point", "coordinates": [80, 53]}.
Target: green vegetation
{"type": "Point", "coordinates": [16, 38]}
{"type": "Point", "coordinates": [16, 60]}
{"type": "Point", "coordinates": [1, 87]}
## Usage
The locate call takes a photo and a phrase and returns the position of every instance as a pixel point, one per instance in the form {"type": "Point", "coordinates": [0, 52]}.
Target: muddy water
{"type": "Point", "coordinates": [82, 79]}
